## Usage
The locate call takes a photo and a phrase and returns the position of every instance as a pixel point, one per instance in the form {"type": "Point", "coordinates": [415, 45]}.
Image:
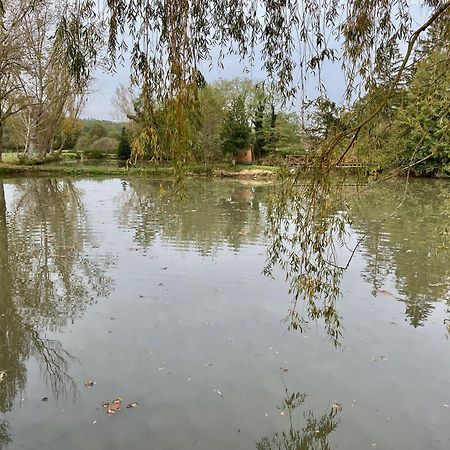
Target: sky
{"type": "Point", "coordinates": [99, 105]}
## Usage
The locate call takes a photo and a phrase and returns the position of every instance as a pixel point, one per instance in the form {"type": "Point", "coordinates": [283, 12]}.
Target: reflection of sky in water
{"type": "Point", "coordinates": [174, 327]}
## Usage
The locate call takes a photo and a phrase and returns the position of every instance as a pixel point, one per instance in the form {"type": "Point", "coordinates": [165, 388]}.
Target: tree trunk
{"type": "Point", "coordinates": [1, 144]}
{"type": "Point", "coordinates": [32, 147]}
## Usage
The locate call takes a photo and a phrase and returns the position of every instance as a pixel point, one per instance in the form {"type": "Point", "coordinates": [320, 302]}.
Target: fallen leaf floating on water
{"type": "Point", "coordinates": [89, 383]}
{"type": "Point", "coordinates": [132, 405]}
{"type": "Point", "coordinates": [44, 399]}
{"type": "Point", "coordinates": [218, 392]}
{"type": "Point", "coordinates": [377, 292]}
{"type": "Point", "coordinates": [283, 369]}
{"type": "Point", "coordinates": [2, 375]}
{"type": "Point", "coordinates": [113, 407]}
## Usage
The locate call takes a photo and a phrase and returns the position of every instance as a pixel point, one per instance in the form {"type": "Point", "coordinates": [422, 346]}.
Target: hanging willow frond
{"type": "Point", "coordinates": [168, 39]}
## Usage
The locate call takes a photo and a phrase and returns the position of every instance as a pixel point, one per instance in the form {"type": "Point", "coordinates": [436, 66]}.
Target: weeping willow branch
{"type": "Point", "coordinates": [171, 38]}
{"type": "Point", "coordinates": [389, 89]}
{"type": "Point", "coordinates": [307, 223]}
{"type": "Point", "coordinates": [304, 226]}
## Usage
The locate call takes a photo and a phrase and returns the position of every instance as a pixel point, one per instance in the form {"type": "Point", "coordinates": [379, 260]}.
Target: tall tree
{"type": "Point", "coordinates": [50, 89]}
{"type": "Point", "coordinates": [259, 116]}
{"type": "Point", "coordinates": [12, 13]}
{"type": "Point", "coordinates": [236, 132]}
{"type": "Point", "coordinates": [420, 135]}
{"type": "Point", "coordinates": [124, 147]}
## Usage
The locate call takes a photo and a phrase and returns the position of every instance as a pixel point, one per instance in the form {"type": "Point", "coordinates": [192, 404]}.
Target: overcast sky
{"type": "Point", "coordinates": [105, 84]}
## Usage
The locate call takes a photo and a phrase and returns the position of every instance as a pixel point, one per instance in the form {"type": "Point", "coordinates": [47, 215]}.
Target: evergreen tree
{"type": "Point", "coordinates": [258, 125]}
{"type": "Point", "coordinates": [124, 147]}
{"type": "Point", "coordinates": [272, 137]}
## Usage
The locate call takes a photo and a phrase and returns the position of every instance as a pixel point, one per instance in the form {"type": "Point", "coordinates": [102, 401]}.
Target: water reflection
{"type": "Point", "coordinates": [47, 277]}
{"type": "Point", "coordinates": [408, 247]}
{"type": "Point", "coordinates": [5, 438]}
{"type": "Point", "coordinates": [314, 229]}
{"type": "Point", "coordinates": [313, 434]}
{"type": "Point", "coordinates": [211, 332]}
{"type": "Point", "coordinates": [214, 214]}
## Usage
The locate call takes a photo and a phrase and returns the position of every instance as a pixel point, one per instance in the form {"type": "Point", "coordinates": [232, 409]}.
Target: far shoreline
{"type": "Point", "coordinates": [92, 170]}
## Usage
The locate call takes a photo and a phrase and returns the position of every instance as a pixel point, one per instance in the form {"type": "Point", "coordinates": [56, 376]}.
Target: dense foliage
{"type": "Point", "coordinates": [236, 130]}
{"type": "Point", "coordinates": [232, 116]}
{"type": "Point", "coordinates": [412, 132]}
{"type": "Point", "coordinates": [124, 147]}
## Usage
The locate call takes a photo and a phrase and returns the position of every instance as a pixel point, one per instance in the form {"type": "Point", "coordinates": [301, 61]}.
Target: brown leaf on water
{"type": "Point", "coordinates": [377, 292]}
{"type": "Point", "coordinates": [113, 407]}
{"type": "Point", "coordinates": [44, 399]}
{"type": "Point", "coordinates": [89, 383]}
{"type": "Point", "coordinates": [283, 369]}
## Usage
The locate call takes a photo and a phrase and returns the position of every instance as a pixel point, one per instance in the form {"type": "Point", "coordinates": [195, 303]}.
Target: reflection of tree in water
{"type": "Point", "coordinates": [218, 214]}
{"type": "Point", "coordinates": [409, 245]}
{"type": "Point", "coordinates": [314, 434]}
{"type": "Point", "coordinates": [5, 438]}
{"type": "Point", "coordinates": [46, 278]}
{"type": "Point", "coordinates": [212, 215]}
{"type": "Point", "coordinates": [51, 238]}
{"type": "Point", "coordinates": [308, 224]}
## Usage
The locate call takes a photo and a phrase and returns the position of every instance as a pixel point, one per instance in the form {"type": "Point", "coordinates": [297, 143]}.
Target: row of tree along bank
{"type": "Point", "coordinates": [237, 115]}
{"type": "Point", "coordinates": [242, 120]}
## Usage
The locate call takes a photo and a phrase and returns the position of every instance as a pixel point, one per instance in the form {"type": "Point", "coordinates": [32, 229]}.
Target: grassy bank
{"type": "Point", "coordinates": [93, 170]}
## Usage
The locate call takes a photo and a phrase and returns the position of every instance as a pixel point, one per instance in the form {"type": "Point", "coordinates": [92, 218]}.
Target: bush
{"type": "Point", "coordinates": [82, 143]}
{"type": "Point", "coordinates": [101, 148]}
{"type": "Point", "coordinates": [24, 160]}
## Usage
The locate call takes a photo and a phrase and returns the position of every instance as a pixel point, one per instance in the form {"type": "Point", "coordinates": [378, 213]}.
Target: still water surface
{"type": "Point", "coordinates": [162, 302]}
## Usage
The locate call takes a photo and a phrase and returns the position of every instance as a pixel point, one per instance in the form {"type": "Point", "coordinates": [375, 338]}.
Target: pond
{"type": "Point", "coordinates": [161, 302]}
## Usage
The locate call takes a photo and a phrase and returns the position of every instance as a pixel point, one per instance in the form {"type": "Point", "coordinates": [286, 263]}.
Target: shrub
{"type": "Point", "coordinates": [101, 148]}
